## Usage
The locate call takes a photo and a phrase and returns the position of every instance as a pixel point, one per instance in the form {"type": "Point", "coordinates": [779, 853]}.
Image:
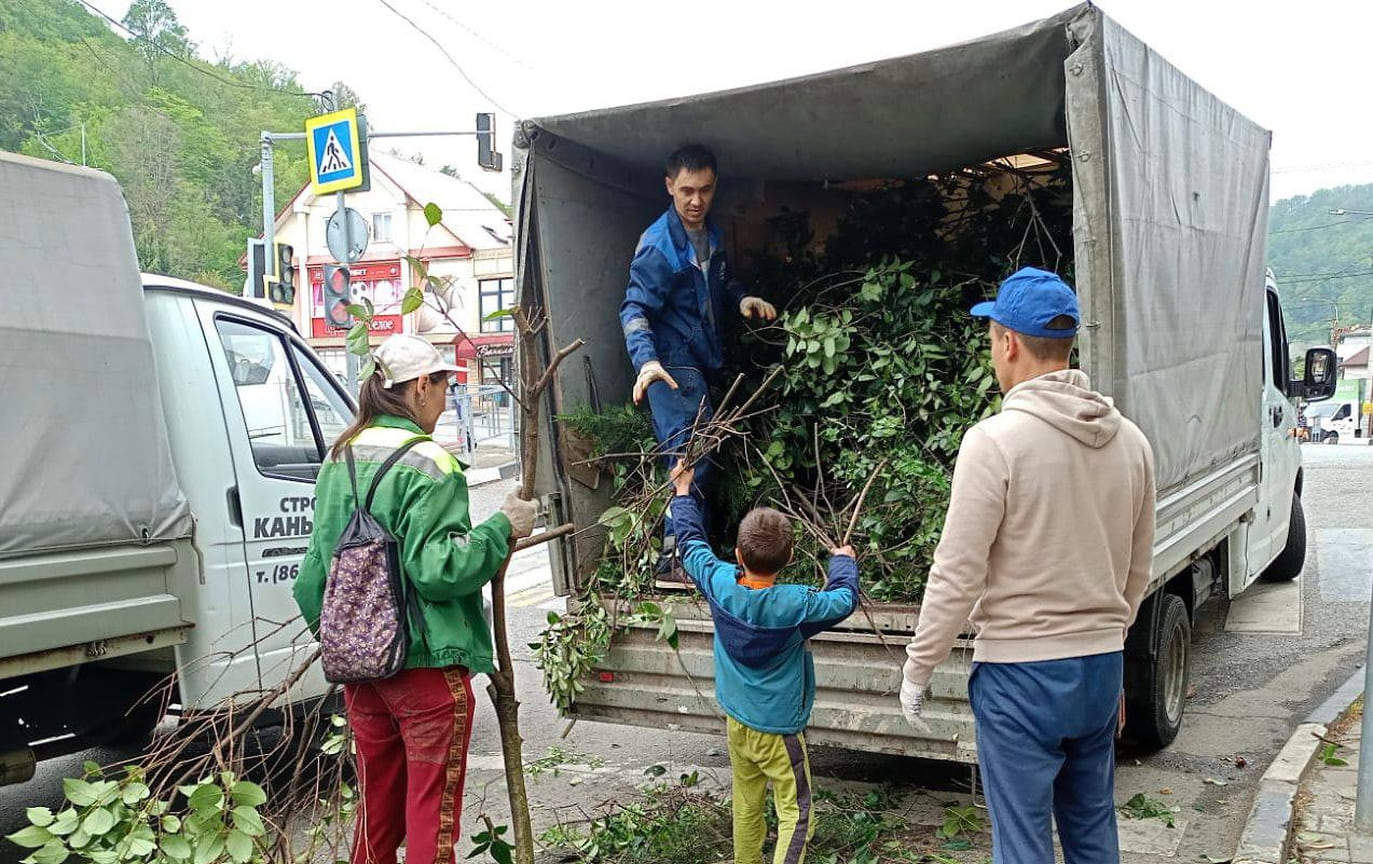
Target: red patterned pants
{"type": "Point", "coordinates": [412, 734]}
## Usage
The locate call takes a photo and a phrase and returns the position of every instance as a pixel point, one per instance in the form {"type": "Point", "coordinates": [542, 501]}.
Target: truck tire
{"type": "Point", "coordinates": [1288, 565]}
{"type": "Point", "coordinates": [1153, 714]}
{"type": "Point", "coordinates": [1331, 438]}
{"type": "Point", "coordinates": [135, 730]}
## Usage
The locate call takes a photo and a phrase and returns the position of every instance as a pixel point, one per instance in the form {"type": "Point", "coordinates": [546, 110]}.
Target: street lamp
{"type": "Point", "coordinates": [1363, 801]}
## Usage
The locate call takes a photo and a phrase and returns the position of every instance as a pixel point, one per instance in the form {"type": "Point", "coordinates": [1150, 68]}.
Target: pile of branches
{"type": "Point", "coordinates": [869, 378]}
{"type": "Point", "coordinates": [242, 783]}
{"type": "Point", "coordinates": [848, 411]}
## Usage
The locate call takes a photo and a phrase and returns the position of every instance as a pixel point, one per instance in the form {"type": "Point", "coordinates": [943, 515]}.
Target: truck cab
{"type": "Point", "coordinates": [126, 633]}
{"type": "Point", "coordinates": [251, 413]}
{"type": "Point", "coordinates": [157, 488]}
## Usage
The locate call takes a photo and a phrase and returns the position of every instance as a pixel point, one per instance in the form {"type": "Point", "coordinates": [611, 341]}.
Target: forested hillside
{"type": "Point", "coordinates": [1323, 260]}
{"type": "Point", "coordinates": [179, 133]}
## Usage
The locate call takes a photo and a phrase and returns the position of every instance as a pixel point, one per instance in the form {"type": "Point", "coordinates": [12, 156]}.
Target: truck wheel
{"type": "Point", "coordinates": [135, 729]}
{"type": "Point", "coordinates": [1154, 714]}
{"type": "Point", "coordinates": [1290, 560]}
{"type": "Point", "coordinates": [1331, 438]}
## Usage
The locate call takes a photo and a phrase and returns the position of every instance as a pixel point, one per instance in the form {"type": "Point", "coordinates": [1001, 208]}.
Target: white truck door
{"type": "Point", "coordinates": [209, 670]}
{"type": "Point", "coordinates": [282, 410]}
{"type": "Point", "coordinates": [1280, 451]}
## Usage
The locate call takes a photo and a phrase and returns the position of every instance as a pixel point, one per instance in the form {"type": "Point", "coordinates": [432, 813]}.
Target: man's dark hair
{"type": "Point", "coordinates": [692, 157]}
{"type": "Point", "coordinates": [765, 541]}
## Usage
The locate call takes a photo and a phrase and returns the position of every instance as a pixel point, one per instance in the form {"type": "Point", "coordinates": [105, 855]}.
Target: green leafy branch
{"type": "Point", "coordinates": [108, 821]}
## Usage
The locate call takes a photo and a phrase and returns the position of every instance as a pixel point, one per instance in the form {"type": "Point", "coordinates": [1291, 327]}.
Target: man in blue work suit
{"type": "Point", "coordinates": [680, 288]}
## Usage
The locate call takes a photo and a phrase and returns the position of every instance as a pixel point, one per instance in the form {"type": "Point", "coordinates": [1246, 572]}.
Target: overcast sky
{"type": "Point", "coordinates": [1300, 69]}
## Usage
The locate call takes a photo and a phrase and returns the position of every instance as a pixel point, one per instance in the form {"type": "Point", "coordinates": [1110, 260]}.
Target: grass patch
{"type": "Point", "coordinates": [681, 824]}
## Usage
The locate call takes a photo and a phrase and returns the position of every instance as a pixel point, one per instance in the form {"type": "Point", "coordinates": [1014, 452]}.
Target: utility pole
{"type": "Point", "coordinates": [269, 215]}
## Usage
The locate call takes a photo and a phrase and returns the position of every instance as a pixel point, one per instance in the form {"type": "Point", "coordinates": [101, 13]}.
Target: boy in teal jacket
{"type": "Point", "coordinates": [764, 674]}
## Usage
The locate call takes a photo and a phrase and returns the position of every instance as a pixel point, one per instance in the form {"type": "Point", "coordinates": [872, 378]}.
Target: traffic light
{"type": "Point", "coordinates": [487, 157]}
{"type": "Point", "coordinates": [338, 284]}
{"type": "Point", "coordinates": [283, 290]}
{"type": "Point", "coordinates": [257, 269]}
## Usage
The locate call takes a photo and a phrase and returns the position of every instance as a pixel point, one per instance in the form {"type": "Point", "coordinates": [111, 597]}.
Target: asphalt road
{"type": "Point", "coordinates": [1250, 690]}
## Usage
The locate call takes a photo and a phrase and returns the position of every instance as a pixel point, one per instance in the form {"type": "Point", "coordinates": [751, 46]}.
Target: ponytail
{"type": "Point", "coordinates": [374, 400]}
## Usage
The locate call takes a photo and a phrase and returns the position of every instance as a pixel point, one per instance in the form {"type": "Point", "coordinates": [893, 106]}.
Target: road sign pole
{"type": "Point", "coordinates": [347, 229]}
{"type": "Point", "coordinates": [352, 362]}
{"type": "Point", "coordinates": [268, 215]}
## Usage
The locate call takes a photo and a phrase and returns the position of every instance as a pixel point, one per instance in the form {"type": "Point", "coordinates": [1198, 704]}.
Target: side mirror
{"type": "Point", "coordinates": [1321, 375]}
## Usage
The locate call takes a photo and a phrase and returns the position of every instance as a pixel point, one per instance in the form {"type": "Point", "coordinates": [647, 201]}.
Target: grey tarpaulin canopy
{"type": "Point", "coordinates": [1170, 202]}
{"type": "Point", "coordinates": [85, 460]}
{"type": "Point", "coordinates": [892, 118]}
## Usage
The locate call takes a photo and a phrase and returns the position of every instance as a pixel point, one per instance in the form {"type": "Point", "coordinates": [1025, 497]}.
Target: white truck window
{"type": "Point", "coordinates": [331, 412]}
{"type": "Point", "coordinates": [1280, 363]}
{"type": "Point", "coordinates": [283, 437]}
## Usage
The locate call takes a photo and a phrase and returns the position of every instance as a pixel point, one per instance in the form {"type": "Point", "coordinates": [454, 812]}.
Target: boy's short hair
{"type": "Point", "coordinates": [765, 541]}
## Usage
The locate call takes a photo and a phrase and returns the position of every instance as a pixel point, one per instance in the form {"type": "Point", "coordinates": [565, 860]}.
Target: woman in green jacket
{"type": "Point", "coordinates": [413, 729]}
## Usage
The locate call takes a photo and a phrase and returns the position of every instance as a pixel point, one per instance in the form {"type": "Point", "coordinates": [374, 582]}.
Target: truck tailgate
{"type": "Point", "coordinates": [643, 682]}
{"type": "Point", "coordinates": [65, 607]}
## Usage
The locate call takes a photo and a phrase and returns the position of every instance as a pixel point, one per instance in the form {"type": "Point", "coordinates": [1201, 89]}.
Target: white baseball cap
{"type": "Point", "coordinates": [404, 357]}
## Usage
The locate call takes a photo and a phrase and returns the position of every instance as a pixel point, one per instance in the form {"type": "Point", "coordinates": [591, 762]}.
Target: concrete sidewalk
{"type": "Point", "coordinates": [1323, 821]}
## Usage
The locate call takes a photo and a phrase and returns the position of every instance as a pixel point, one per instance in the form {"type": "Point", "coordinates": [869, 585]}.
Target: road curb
{"type": "Point", "coordinates": [1268, 830]}
{"type": "Point", "coordinates": [483, 476]}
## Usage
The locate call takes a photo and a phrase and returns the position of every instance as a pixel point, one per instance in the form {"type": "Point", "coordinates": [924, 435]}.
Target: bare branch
{"type": "Point", "coordinates": [858, 502]}
{"type": "Point", "coordinates": [543, 382]}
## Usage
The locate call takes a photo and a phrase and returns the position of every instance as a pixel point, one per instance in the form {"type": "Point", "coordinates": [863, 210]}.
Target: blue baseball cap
{"type": "Point", "coordinates": [1028, 300]}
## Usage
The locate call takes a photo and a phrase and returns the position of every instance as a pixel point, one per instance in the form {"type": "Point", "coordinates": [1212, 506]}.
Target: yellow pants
{"type": "Point", "coordinates": [757, 758]}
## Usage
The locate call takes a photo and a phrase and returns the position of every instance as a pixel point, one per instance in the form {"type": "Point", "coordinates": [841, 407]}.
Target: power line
{"type": "Point", "coordinates": [124, 82]}
{"type": "Point", "coordinates": [1290, 276]}
{"type": "Point", "coordinates": [475, 35]}
{"type": "Point", "coordinates": [42, 139]}
{"type": "Point", "coordinates": [1313, 227]}
{"type": "Point", "coordinates": [420, 30]}
{"type": "Point", "coordinates": [228, 82]}
{"type": "Point", "coordinates": [1325, 278]}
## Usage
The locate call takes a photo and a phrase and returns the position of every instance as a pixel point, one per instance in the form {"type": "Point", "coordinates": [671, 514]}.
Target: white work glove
{"type": "Point", "coordinates": [650, 372]}
{"type": "Point", "coordinates": [751, 306]}
{"type": "Point", "coordinates": [521, 514]}
{"type": "Point", "coordinates": [912, 701]}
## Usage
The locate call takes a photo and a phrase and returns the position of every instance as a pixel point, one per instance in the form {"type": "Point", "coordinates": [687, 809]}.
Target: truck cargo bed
{"type": "Point", "coordinates": [70, 607]}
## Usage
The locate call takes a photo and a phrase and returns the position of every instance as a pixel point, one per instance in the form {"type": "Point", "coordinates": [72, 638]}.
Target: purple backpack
{"type": "Point", "coordinates": [363, 632]}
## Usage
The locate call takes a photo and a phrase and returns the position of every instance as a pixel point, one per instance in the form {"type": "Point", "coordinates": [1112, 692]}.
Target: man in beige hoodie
{"type": "Point", "coordinates": [1046, 550]}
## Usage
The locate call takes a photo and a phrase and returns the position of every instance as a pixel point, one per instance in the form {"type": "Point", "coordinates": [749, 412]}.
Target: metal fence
{"type": "Point", "coordinates": [476, 416]}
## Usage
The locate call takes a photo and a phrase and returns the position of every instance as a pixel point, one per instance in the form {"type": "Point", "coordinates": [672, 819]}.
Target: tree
{"type": "Point", "coordinates": [144, 145]}
{"type": "Point", "coordinates": [158, 32]}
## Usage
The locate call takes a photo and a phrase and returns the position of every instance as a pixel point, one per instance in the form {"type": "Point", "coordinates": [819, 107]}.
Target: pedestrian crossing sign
{"type": "Point", "coordinates": [337, 160]}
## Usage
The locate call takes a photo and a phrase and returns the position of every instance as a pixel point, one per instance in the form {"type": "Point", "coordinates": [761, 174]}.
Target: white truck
{"type": "Point", "coordinates": [157, 483]}
{"type": "Point", "coordinates": [1170, 204]}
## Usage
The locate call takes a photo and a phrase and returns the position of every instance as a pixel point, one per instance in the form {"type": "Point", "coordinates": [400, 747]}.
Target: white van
{"type": "Point", "coordinates": [1335, 421]}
